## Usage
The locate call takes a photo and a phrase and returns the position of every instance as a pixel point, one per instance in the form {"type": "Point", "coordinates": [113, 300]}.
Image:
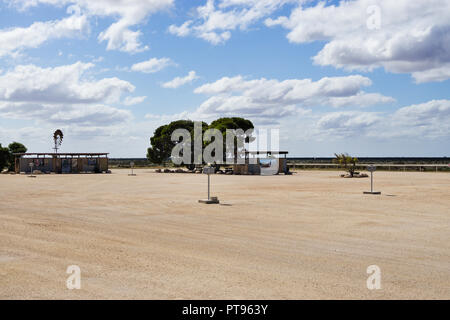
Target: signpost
{"type": "Point", "coordinates": [132, 166]}
{"type": "Point", "coordinates": [31, 164]}
{"type": "Point", "coordinates": [210, 200]}
{"type": "Point", "coordinates": [371, 169]}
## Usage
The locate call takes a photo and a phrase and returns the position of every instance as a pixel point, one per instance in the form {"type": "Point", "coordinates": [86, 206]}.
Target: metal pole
{"type": "Point", "coordinates": [132, 168]}
{"type": "Point", "coordinates": [208, 188]}
{"type": "Point", "coordinates": [371, 181]}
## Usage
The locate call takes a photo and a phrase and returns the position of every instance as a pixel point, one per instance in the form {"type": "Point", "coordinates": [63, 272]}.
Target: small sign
{"type": "Point", "coordinates": [371, 168]}
{"type": "Point", "coordinates": [208, 170]}
{"type": "Point", "coordinates": [31, 164]}
{"type": "Point", "coordinates": [132, 167]}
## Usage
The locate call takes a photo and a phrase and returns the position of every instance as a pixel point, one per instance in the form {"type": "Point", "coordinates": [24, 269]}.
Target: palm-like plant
{"type": "Point", "coordinates": [347, 162]}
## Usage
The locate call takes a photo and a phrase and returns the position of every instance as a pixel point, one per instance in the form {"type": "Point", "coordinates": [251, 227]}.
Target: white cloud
{"type": "Point", "coordinates": [347, 123]}
{"type": "Point", "coordinates": [127, 14]}
{"type": "Point", "coordinates": [273, 98]}
{"type": "Point", "coordinates": [61, 95]}
{"type": "Point", "coordinates": [213, 23]}
{"type": "Point", "coordinates": [181, 31]}
{"type": "Point", "coordinates": [63, 84]}
{"type": "Point", "coordinates": [130, 101]}
{"type": "Point", "coordinates": [360, 99]}
{"type": "Point", "coordinates": [79, 138]}
{"type": "Point", "coordinates": [69, 114]}
{"type": "Point", "coordinates": [152, 65]}
{"type": "Point", "coordinates": [179, 81]}
{"type": "Point", "coordinates": [437, 74]}
{"type": "Point", "coordinates": [412, 37]}
{"type": "Point", "coordinates": [14, 40]}
{"type": "Point", "coordinates": [270, 102]}
{"type": "Point", "coordinates": [428, 120]}
{"type": "Point", "coordinates": [91, 115]}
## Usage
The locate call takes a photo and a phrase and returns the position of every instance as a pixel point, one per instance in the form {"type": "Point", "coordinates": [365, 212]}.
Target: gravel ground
{"type": "Point", "coordinates": [311, 235]}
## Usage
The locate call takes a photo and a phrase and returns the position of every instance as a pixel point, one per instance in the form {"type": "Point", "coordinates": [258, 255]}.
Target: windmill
{"type": "Point", "coordinates": [57, 138]}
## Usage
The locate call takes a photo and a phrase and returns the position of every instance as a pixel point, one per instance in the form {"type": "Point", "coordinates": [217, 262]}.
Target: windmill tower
{"type": "Point", "coordinates": [57, 138]}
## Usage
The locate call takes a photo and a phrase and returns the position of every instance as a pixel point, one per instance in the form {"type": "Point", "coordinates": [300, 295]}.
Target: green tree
{"type": "Point", "coordinates": [234, 123]}
{"type": "Point", "coordinates": [162, 145]}
{"type": "Point", "coordinates": [347, 162]}
{"type": "Point", "coordinates": [4, 157]}
{"type": "Point", "coordinates": [15, 147]}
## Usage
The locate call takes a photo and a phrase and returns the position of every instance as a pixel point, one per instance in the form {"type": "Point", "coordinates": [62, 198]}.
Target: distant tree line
{"type": "Point", "coordinates": [162, 144]}
{"type": "Point", "coordinates": [7, 155]}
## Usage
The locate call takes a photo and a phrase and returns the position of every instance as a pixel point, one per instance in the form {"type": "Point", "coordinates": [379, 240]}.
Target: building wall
{"type": "Point", "coordinates": [63, 165]}
{"type": "Point", "coordinates": [255, 169]}
{"type": "Point", "coordinates": [41, 164]}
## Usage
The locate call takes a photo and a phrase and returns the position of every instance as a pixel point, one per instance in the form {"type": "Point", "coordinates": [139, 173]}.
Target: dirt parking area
{"type": "Point", "coordinates": [311, 235]}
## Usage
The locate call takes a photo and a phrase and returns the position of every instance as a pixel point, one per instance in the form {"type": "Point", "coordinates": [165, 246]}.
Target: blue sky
{"type": "Point", "coordinates": [366, 77]}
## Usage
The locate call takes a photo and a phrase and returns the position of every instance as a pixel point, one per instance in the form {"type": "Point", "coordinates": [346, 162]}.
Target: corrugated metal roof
{"type": "Point", "coordinates": [61, 154]}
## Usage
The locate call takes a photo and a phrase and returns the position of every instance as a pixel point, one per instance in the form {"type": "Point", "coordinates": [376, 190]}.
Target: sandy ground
{"type": "Point", "coordinates": [307, 236]}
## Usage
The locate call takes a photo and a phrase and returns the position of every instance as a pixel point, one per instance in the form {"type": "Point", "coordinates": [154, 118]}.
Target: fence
{"type": "Point", "coordinates": [386, 167]}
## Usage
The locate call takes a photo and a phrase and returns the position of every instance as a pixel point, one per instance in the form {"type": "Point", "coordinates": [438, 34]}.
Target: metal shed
{"type": "Point", "coordinates": [62, 162]}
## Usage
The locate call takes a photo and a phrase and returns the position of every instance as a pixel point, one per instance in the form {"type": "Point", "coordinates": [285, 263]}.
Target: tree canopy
{"type": "Point", "coordinates": [161, 142]}
{"type": "Point", "coordinates": [162, 145]}
{"type": "Point", "coordinates": [4, 157]}
{"type": "Point", "coordinates": [15, 147]}
{"type": "Point", "coordinates": [7, 154]}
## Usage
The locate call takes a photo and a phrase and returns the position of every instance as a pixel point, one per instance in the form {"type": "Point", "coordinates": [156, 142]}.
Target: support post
{"type": "Point", "coordinates": [371, 181]}
{"type": "Point", "coordinates": [210, 200]}
{"type": "Point", "coordinates": [209, 194]}
{"type": "Point", "coordinates": [371, 169]}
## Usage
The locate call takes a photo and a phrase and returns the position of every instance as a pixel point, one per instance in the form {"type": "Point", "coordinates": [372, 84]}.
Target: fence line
{"type": "Point", "coordinates": [389, 167]}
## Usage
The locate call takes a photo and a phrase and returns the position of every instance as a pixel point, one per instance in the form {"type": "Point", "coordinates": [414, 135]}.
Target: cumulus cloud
{"type": "Point", "coordinates": [68, 114]}
{"type": "Point", "coordinates": [180, 81]}
{"type": "Point", "coordinates": [361, 99]}
{"type": "Point", "coordinates": [347, 123]}
{"type": "Point", "coordinates": [95, 115]}
{"type": "Point", "coordinates": [213, 22]}
{"type": "Point", "coordinates": [438, 74]}
{"type": "Point", "coordinates": [427, 120]}
{"type": "Point", "coordinates": [61, 95]}
{"type": "Point", "coordinates": [274, 98]}
{"type": "Point", "coordinates": [181, 31]}
{"type": "Point", "coordinates": [63, 84]}
{"type": "Point", "coordinates": [130, 101]}
{"type": "Point", "coordinates": [152, 65]}
{"type": "Point", "coordinates": [271, 102]}
{"type": "Point", "coordinates": [401, 36]}
{"type": "Point", "coordinates": [127, 14]}
{"type": "Point", "coordinates": [14, 40]}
